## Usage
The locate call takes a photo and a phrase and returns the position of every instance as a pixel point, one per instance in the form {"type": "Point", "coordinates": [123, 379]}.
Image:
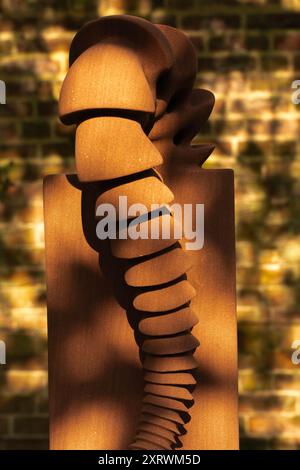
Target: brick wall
{"type": "Point", "coordinates": [248, 55]}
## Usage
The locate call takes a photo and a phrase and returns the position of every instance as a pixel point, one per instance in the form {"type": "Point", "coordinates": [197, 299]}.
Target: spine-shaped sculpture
{"type": "Point", "coordinates": [130, 92]}
{"type": "Point", "coordinates": [160, 313]}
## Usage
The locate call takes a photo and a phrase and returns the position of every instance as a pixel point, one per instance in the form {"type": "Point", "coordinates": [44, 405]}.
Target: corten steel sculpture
{"type": "Point", "coordinates": [129, 90]}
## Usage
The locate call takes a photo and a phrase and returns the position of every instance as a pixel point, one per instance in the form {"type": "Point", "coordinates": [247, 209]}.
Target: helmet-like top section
{"type": "Point", "coordinates": [124, 62]}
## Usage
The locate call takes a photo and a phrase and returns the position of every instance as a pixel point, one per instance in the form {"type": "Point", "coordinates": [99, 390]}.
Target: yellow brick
{"type": "Point", "coordinates": [20, 381]}
{"type": "Point", "coordinates": [278, 296]}
{"type": "Point", "coordinates": [112, 7]}
{"type": "Point", "coordinates": [274, 426]}
{"type": "Point", "coordinates": [245, 253]}
{"type": "Point", "coordinates": [30, 319]}
{"type": "Point", "coordinates": [289, 248]}
{"type": "Point", "coordinates": [22, 296]}
{"type": "Point", "coordinates": [265, 425]}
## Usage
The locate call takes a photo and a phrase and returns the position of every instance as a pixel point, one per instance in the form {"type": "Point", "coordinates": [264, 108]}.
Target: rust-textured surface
{"type": "Point", "coordinates": [117, 147]}
{"type": "Point", "coordinates": [96, 385]}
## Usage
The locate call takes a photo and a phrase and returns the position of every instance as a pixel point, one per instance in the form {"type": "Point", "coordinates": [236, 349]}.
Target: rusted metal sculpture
{"type": "Point", "coordinates": [129, 90]}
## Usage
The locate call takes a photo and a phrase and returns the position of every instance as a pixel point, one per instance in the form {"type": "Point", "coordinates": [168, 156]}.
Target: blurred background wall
{"type": "Point", "coordinates": [249, 54]}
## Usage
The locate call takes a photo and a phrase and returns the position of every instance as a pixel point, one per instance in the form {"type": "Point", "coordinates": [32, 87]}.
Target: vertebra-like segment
{"type": "Point", "coordinates": [118, 150]}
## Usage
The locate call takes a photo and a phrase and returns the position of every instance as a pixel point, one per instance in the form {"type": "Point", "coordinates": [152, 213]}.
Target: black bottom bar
{"type": "Point", "coordinates": [130, 459]}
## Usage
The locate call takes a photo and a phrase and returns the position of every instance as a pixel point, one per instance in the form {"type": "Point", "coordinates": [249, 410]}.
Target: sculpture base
{"type": "Point", "coordinates": [95, 377]}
